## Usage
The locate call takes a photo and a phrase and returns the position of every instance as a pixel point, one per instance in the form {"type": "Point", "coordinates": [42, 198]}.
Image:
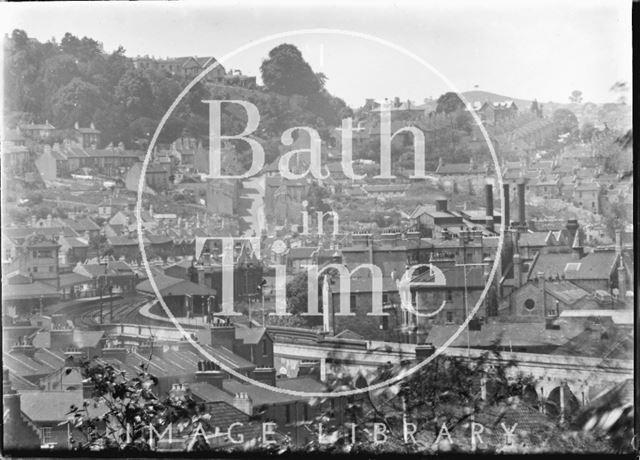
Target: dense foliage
{"type": "Point", "coordinates": [76, 80]}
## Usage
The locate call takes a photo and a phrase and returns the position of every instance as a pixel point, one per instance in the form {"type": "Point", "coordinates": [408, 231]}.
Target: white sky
{"type": "Point", "coordinates": [526, 49]}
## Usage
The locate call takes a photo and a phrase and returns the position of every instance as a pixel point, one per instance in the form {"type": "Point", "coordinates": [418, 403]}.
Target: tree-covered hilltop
{"type": "Point", "coordinates": [76, 80]}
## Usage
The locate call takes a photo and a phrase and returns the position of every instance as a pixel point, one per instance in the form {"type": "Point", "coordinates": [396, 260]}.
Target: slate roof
{"type": "Point", "coordinates": [596, 265]}
{"type": "Point", "coordinates": [43, 362]}
{"type": "Point", "coordinates": [210, 393]}
{"type": "Point", "coordinates": [81, 339]}
{"type": "Point", "coordinates": [28, 291]}
{"type": "Point", "coordinates": [74, 242]}
{"type": "Point", "coordinates": [229, 358]}
{"type": "Point", "coordinates": [52, 406]}
{"type": "Point", "coordinates": [158, 239]}
{"type": "Point", "coordinates": [259, 395]}
{"type": "Point", "coordinates": [454, 277]}
{"type": "Point", "coordinates": [174, 286]}
{"type": "Point", "coordinates": [617, 344]}
{"type": "Point", "coordinates": [81, 225]}
{"type": "Point", "coordinates": [551, 264]}
{"type": "Point", "coordinates": [307, 384]}
{"type": "Point", "coordinates": [565, 291]}
{"type": "Point", "coordinates": [122, 241]}
{"type": "Point", "coordinates": [527, 418]}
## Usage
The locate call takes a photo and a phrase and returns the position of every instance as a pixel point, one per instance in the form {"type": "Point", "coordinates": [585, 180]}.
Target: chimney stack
{"type": "Point", "coordinates": [522, 220]}
{"type": "Point", "coordinates": [618, 242]}
{"type": "Point", "coordinates": [211, 373]}
{"type": "Point", "coordinates": [488, 189]}
{"type": "Point", "coordinates": [243, 402]}
{"type": "Point", "coordinates": [441, 205]}
{"type": "Point", "coordinates": [517, 270]}
{"type": "Point", "coordinates": [622, 281]}
{"type": "Point", "coordinates": [572, 228]}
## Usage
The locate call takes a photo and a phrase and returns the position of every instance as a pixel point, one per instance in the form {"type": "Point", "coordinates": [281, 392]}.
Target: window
{"type": "Point", "coordinates": [287, 413]}
{"type": "Point", "coordinates": [385, 323]}
{"type": "Point", "coordinates": [265, 348]}
{"type": "Point", "coordinates": [449, 317]}
{"type": "Point", "coordinates": [385, 298]}
{"type": "Point", "coordinates": [46, 435]}
{"type": "Point", "coordinates": [449, 295]}
{"type": "Point", "coordinates": [353, 302]}
{"type": "Point", "coordinates": [529, 304]}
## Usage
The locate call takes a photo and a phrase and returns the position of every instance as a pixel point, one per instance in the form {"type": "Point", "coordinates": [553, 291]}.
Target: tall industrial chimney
{"type": "Point", "coordinates": [488, 189]}
{"type": "Point", "coordinates": [522, 220]}
{"type": "Point", "coordinates": [507, 205]}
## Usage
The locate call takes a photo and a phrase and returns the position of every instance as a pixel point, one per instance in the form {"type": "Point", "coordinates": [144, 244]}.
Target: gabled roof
{"type": "Point", "coordinates": [250, 335]}
{"type": "Point", "coordinates": [527, 239]}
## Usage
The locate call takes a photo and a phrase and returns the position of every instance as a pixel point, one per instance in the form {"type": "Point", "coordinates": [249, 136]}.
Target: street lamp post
{"type": "Point", "coordinates": [101, 277]}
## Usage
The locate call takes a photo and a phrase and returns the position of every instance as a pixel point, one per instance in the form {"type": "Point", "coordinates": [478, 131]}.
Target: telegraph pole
{"type": "Point", "coordinates": [466, 296]}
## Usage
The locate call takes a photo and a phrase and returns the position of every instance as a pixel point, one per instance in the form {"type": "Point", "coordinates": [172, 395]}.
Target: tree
{"type": "Point", "coordinates": [286, 72]}
{"type": "Point", "coordinates": [134, 93]}
{"type": "Point", "coordinates": [621, 89]}
{"type": "Point", "coordinates": [576, 96]}
{"type": "Point", "coordinates": [449, 102]}
{"type": "Point", "coordinates": [59, 70]}
{"type": "Point", "coordinates": [132, 410]}
{"type": "Point", "coordinates": [297, 294]}
{"type": "Point", "coordinates": [536, 108]}
{"type": "Point", "coordinates": [566, 120]}
{"type": "Point", "coordinates": [587, 131]}
{"type": "Point", "coordinates": [75, 102]}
